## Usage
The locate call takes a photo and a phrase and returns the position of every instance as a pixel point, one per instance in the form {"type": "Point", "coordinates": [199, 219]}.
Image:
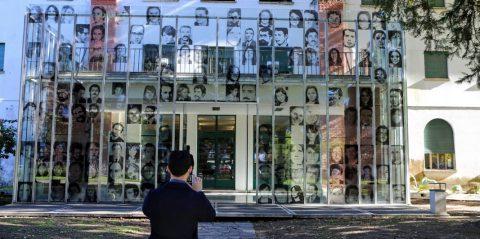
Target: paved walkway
{"type": "Point", "coordinates": [224, 210]}
{"type": "Point", "coordinates": [226, 230]}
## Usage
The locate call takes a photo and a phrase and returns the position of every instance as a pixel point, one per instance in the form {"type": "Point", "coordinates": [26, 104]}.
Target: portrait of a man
{"type": "Point", "coordinates": [281, 37]}
{"type": "Point", "coordinates": [136, 34]}
{"type": "Point", "coordinates": [201, 16]}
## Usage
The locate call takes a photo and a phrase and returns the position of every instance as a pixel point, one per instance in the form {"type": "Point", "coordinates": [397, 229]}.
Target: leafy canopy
{"type": "Point", "coordinates": [454, 28]}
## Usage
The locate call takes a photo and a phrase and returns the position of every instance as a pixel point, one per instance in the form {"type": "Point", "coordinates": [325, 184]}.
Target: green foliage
{"type": "Point", "coordinates": [455, 28]}
{"type": "Point", "coordinates": [424, 184]}
{"type": "Point", "coordinates": [7, 138]}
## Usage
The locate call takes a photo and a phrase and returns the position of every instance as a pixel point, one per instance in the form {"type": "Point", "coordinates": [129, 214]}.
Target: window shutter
{"type": "Point", "coordinates": [2, 55]}
{"type": "Point", "coordinates": [436, 64]}
{"type": "Point", "coordinates": [438, 137]}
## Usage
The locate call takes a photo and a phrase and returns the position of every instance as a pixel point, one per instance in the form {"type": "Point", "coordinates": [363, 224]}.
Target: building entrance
{"type": "Point", "coordinates": [216, 151]}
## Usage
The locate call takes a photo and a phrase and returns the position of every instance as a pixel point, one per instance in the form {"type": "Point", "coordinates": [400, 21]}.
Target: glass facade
{"type": "Point", "coordinates": [299, 110]}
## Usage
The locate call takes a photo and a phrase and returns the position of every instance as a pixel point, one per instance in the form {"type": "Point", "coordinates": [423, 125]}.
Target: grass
{"type": "Point", "coordinates": [72, 227]}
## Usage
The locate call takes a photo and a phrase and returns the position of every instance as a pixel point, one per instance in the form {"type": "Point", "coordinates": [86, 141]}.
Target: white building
{"type": "Point", "coordinates": [450, 160]}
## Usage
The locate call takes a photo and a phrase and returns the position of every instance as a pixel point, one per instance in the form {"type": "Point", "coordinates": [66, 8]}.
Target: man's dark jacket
{"type": "Point", "coordinates": [175, 209]}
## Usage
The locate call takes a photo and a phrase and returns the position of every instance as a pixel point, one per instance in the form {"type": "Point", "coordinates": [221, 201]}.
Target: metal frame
{"type": "Point", "coordinates": [273, 84]}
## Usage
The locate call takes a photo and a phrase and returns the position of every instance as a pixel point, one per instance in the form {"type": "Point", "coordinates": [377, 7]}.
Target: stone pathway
{"type": "Point", "coordinates": [226, 230]}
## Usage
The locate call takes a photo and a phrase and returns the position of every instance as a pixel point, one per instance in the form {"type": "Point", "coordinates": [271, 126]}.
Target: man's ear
{"type": "Point", "coordinates": [168, 170]}
{"type": "Point", "coordinates": [190, 169]}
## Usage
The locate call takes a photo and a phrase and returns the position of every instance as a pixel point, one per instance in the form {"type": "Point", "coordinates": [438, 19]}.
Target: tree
{"type": "Point", "coordinates": [454, 29]}
{"type": "Point", "coordinates": [7, 138]}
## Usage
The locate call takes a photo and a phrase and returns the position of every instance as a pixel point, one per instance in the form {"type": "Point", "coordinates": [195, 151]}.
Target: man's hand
{"type": "Point", "coordinates": [197, 183]}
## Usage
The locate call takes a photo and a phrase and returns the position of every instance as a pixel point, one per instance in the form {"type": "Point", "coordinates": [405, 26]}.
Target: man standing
{"type": "Point", "coordinates": [175, 209]}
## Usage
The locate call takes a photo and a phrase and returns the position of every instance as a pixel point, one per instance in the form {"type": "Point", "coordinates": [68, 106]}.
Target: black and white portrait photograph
{"type": "Point", "coordinates": [335, 96]}
{"type": "Point", "coordinates": [234, 36]}
{"type": "Point", "coordinates": [395, 59]}
{"type": "Point", "coordinates": [337, 174]}
{"type": "Point", "coordinates": [149, 114]}
{"type": "Point", "coordinates": [234, 16]}
{"type": "Point", "coordinates": [366, 117]}
{"type": "Point", "coordinates": [366, 99]}
{"type": "Point", "coordinates": [199, 93]}
{"type": "Point", "coordinates": [184, 58]}
{"type": "Point", "coordinates": [97, 35]}
{"type": "Point", "coordinates": [334, 19]}
{"type": "Point", "coordinates": [395, 39]}
{"type": "Point", "coordinates": [79, 113]}
{"type": "Point", "coordinates": [310, 18]}
{"type": "Point", "coordinates": [132, 192]}
{"type": "Point", "coordinates": [296, 195]}
{"type": "Point", "coordinates": [379, 39]}
{"type": "Point", "coordinates": [120, 53]}
{"type": "Point", "coordinates": [201, 17]}
{"type": "Point", "coordinates": [296, 115]}
{"type": "Point", "coordinates": [295, 19]}
{"type": "Point", "coordinates": [82, 32]}
{"type": "Point", "coordinates": [265, 19]}
{"type": "Point", "coordinates": [36, 13]}
{"type": "Point", "coordinates": [334, 57]}
{"type": "Point", "coordinates": [382, 135]}
{"type": "Point", "coordinates": [149, 94]}
{"type": "Point", "coordinates": [94, 94]}
{"type": "Point", "coordinates": [313, 154]}
{"type": "Point", "coordinates": [349, 38]}
{"type": "Point", "coordinates": [363, 19]}
{"type": "Point", "coordinates": [58, 191]}
{"type": "Point", "coordinates": [399, 192]}
{"type": "Point", "coordinates": [281, 96]}
{"type": "Point", "coordinates": [133, 113]}
{"type": "Point", "coordinates": [153, 15]}
{"type": "Point", "coordinates": [93, 112]}
{"type": "Point", "coordinates": [380, 75]}
{"type": "Point", "coordinates": [136, 34]}
{"type": "Point", "coordinates": [378, 21]}
{"type": "Point", "coordinates": [249, 60]}
{"type": "Point", "coordinates": [281, 37]}
{"type": "Point", "coordinates": [98, 15]}
{"type": "Point", "coordinates": [265, 36]}
{"type": "Point", "coordinates": [166, 92]}
{"type": "Point", "coordinates": [133, 151]}
{"type": "Point", "coordinates": [116, 133]}
{"type": "Point", "coordinates": [67, 14]}
{"type": "Point", "coordinates": [148, 172]}
{"type": "Point", "coordinates": [183, 93]}
{"type": "Point", "coordinates": [396, 154]}
{"type": "Point", "coordinates": [396, 117]}
{"type": "Point", "coordinates": [168, 35]}
{"type": "Point", "coordinates": [233, 74]}
{"type": "Point", "coordinates": [185, 35]}
{"type": "Point", "coordinates": [249, 38]}
{"type": "Point", "coordinates": [119, 91]}
{"type": "Point", "coordinates": [248, 93]}
{"type": "Point", "coordinates": [52, 15]}
{"type": "Point", "coordinates": [312, 174]}
{"type": "Point", "coordinates": [312, 134]}
{"type": "Point", "coordinates": [395, 98]}
{"type": "Point", "coordinates": [311, 57]}
{"type": "Point", "coordinates": [311, 38]}
{"type": "Point", "coordinates": [232, 92]}
{"type": "Point", "coordinates": [295, 59]}
{"type": "Point", "coordinates": [311, 95]}
{"type": "Point", "coordinates": [150, 57]}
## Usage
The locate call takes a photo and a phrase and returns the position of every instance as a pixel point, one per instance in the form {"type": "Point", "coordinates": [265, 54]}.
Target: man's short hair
{"type": "Point", "coordinates": [179, 162]}
{"type": "Point", "coordinates": [202, 88]}
{"type": "Point", "coordinates": [266, 29]}
{"type": "Point", "coordinates": [282, 29]}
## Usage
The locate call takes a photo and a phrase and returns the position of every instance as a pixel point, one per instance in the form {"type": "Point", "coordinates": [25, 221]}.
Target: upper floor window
{"type": "Point", "coordinates": [436, 64]}
{"type": "Point", "coordinates": [436, 3]}
{"type": "Point", "coordinates": [439, 145]}
{"type": "Point", "coordinates": [2, 55]}
{"type": "Point", "coordinates": [368, 2]}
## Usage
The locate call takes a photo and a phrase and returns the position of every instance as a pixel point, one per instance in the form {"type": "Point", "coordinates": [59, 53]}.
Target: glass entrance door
{"type": "Point", "coordinates": [216, 151]}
